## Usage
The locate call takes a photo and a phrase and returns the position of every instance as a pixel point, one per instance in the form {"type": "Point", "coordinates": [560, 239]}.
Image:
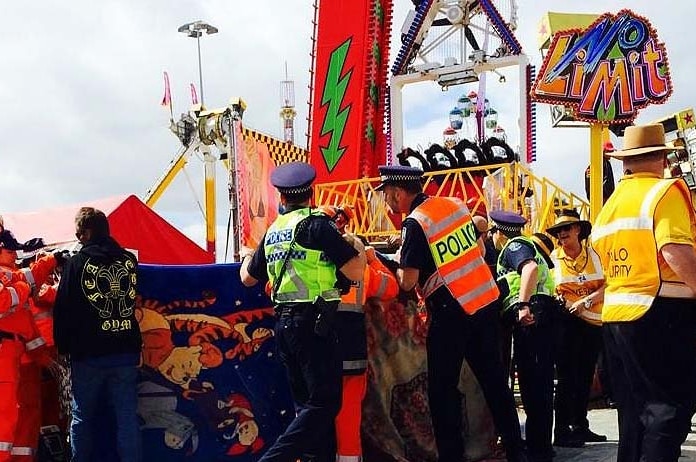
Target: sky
{"type": "Point", "coordinates": [81, 86]}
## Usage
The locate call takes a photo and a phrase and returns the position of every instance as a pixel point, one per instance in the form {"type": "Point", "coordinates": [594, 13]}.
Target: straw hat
{"type": "Point", "coordinates": [642, 140]}
{"type": "Point", "coordinates": [567, 218]}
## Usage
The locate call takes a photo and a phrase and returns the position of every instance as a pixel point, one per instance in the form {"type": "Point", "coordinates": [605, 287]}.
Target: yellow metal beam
{"type": "Point", "coordinates": [175, 166]}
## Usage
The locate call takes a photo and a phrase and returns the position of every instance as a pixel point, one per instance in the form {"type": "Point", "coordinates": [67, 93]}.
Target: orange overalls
{"type": "Point", "coordinates": [380, 283]}
{"type": "Point", "coordinates": [34, 355]}
{"type": "Point", "coordinates": [16, 323]}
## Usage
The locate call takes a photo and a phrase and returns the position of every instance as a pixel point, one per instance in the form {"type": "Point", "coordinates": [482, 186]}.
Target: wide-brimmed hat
{"type": "Point", "coordinates": [545, 246]}
{"type": "Point", "coordinates": [643, 139]}
{"type": "Point", "coordinates": [567, 218]}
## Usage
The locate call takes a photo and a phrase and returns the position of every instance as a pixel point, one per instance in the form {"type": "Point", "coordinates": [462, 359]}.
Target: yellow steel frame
{"type": "Point", "coordinates": [506, 186]}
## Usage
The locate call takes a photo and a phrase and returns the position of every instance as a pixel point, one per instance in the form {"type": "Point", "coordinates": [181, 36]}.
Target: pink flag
{"type": "Point", "coordinates": [194, 95]}
{"type": "Point", "coordinates": [167, 99]}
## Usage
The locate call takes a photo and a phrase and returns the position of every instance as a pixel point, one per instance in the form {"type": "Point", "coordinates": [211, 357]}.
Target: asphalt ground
{"type": "Point", "coordinates": [604, 422]}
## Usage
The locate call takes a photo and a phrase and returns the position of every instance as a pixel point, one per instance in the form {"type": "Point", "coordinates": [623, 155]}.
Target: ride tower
{"type": "Point", "coordinates": [287, 108]}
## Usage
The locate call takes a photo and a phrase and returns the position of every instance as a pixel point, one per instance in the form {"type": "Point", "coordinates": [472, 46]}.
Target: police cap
{"type": "Point", "coordinates": [508, 221]}
{"type": "Point", "coordinates": [293, 178]}
{"type": "Point", "coordinates": [395, 175]}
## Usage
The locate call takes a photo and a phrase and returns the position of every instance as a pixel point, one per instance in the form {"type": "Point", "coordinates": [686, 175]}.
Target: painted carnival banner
{"type": "Point", "coordinates": [258, 199]}
{"type": "Point", "coordinates": [212, 389]}
{"type": "Point", "coordinates": [211, 386]}
{"type": "Point", "coordinates": [607, 72]}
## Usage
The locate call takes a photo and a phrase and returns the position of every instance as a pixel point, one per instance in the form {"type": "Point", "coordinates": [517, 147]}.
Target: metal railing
{"type": "Point", "coordinates": [497, 187]}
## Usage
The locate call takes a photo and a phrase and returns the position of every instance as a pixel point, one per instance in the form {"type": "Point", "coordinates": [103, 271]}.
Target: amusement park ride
{"type": "Point", "coordinates": [356, 108]}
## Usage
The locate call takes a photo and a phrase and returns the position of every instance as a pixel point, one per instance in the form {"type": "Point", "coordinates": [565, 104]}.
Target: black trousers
{"type": "Point", "coordinates": [576, 358]}
{"type": "Point", "coordinates": [453, 336]}
{"type": "Point", "coordinates": [313, 366]}
{"type": "Point", "coordinates": [652, 363]}
{"type": "Point", "coordinates": [534, 357]}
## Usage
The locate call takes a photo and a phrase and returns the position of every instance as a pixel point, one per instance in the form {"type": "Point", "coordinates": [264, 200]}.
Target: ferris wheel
{"type": "Point", "coordinates": [454, 32]}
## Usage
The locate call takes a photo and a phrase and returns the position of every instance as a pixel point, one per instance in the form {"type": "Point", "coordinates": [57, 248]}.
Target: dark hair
{"type": "Point", "coordinates": [411, 187]}
{"type": "Point", "coordinates": [94, 220]}
{"type": "Point", "coordinates": [299, 198]}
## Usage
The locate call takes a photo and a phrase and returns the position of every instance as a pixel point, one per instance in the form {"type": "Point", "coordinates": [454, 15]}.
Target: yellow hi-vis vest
{"type": "Point", "coordinates": [624, 239]}
{"type": "Point", "coordinates": [574, 285]}
{"type": "Point", "coordinates": [453, 243]}
{"type": "Point", "coordinates": [308, 275]}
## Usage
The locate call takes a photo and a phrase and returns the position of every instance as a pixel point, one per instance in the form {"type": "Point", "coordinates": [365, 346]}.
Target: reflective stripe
{"type": "Point", "coordinates": [442, 225]}
{"type": "Point", "coordinates": [341, 458]}
{"type": "Point", "coordinates": [591, 315]}
{"type": "Point", "coordinates": [433, 283]}
{"type": "Point", "coordinates": [34, 344]}
{"type": "Point", "coordinates": [382, 289]}
{"type": "Point", "coordinates": [621, 224]}
{"type": "Point", "coordinates": [352, 307]}
{"type": "Point", "coordinates": [14, 296]}
{"type": "Point", "coordinates": [5, 446]}
{"type": "Point", "coordinates": [472, 295]}
{"type": "Point", "coordinates": [29, 277]}
{"type": "Point", "coordinates": [22, 451]}
{"type": "Point", "coordinates": [43, 315]}
{"type": "Point", "coordinates": [624, 298]}
{"type": "Point", "coordinates": [675, 290]}
{"type": "Point", "coordinates": [355, 364]}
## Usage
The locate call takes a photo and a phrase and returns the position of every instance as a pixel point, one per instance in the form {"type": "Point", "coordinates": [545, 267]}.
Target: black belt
{"type": "Point", "coordinates": [7, 335]}
{"type": "Point", "coordinates": [292, 310]}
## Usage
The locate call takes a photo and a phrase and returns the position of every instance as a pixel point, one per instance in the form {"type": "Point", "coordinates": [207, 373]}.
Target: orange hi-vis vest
{"type": "Point", "coordinates": [15, 316]}
{"type": "Point", "coordinates": [624, 239]}
{"type": "Point", "coordinates": [453, 243]}
{"type": "Point", "coordinates": [22, 322]}
{"type": "Point", "coordinates": [377, 282]}
{"type": "Point", "coordinates": [574, 285]}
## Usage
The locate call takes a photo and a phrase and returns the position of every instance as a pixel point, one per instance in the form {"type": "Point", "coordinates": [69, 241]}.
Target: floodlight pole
{"type": "Point", "coordinates": [195, 30]}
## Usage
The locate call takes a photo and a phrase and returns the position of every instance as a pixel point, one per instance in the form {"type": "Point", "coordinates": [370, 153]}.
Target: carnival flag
{"type": "Point", "coordinates": [194, 95]}
{"type": "Point", "coordinates": [167, 99]}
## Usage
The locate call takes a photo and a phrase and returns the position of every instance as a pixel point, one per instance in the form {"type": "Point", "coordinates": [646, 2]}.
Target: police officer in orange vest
{"type": "Point", "coordinates": [644, 236]}
{"type": "Point", "coordinates": [441, 255]}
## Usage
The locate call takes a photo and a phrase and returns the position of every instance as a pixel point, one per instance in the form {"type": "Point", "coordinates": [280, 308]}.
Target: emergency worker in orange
{"type": "Point", "coordinates": [644, 236]}
{"type": "Point", "coordinates": [580, 283]}
{"type": "Point", "coordinates": [377, 283]}
{"type": "Point", "coordinates": [441, 255]}
{"type": "Point", "coordinates": [20, 336]}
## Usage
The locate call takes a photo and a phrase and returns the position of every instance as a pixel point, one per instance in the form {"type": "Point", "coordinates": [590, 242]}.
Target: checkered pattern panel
{"type": "Point", "coordinates": [281, 152]}
{"type": "Point", "coordinates": [294, 255]}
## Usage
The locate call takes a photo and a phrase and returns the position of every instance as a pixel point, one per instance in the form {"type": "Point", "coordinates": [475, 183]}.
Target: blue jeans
{"type": "Point", "coordinates": [98, 391]}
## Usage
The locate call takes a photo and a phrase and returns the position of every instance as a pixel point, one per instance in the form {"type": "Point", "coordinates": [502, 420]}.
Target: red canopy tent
{"type": "Point", "coordinates": [133, 224]}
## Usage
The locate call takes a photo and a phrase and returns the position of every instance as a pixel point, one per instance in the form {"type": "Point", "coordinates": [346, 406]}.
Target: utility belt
{"type": "Point", "coordinates": [325, 312]}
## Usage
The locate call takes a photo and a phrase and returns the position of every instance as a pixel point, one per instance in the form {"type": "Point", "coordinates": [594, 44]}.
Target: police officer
{"type": "Point", "coordinates": [645, 240]}
{"type": "Point", "coordinates": [441, 253]}
{"type": "Point", "coordinates": [302, 255]}
{"type": "Point", "coordinates": [526, 285]}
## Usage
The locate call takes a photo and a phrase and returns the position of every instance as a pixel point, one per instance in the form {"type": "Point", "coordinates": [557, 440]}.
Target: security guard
{"type": "Point", "coordinates": [580, 283]}
{"type": "Point", "coordinates": [302, 255]}
{"type": "Point", "coordinates": [644, 236]}
{"type": "Point", "coordinates": [441, 254]}
{"type": "Point", "coordinates": [526, 286]}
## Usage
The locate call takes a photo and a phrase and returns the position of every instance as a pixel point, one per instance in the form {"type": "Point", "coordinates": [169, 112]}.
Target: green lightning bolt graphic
{"type": "Point", "coordinates": [335, 118]}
